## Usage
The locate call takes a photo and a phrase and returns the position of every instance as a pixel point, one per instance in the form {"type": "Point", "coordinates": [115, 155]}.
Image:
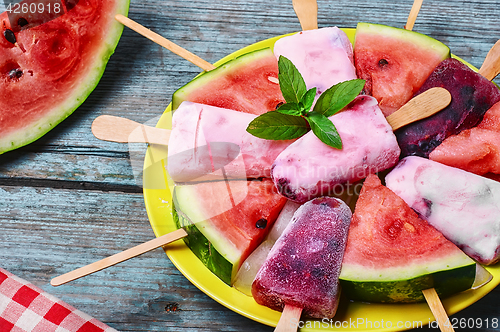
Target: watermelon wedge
{"type": "Point", "coordinates": [392, 254]}
{"type": "Point", "coordinates": [248, 83]}
{"type": "Point", "coordinates": [49, 69]}
{"type": "Point", "coordinates": [475, 150]}
{"type": "Point", "coordinates": [394, 62]}
{"type": "Point", "coordinates": [222, 232]}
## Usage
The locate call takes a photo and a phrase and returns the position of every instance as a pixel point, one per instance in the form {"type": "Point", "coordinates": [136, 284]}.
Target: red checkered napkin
{"type": "Point", "coordinates": [27, 308]}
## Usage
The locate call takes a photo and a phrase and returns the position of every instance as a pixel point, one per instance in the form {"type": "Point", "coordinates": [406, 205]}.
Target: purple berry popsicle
{"type": "Point", "coordinates": [324, 57]}
{"type": "Point", "coordinates": [303, 267]}
{"type": "Point", "coordinates": [472, 96]}
{"type": "Point", "coordinates": [463, 206]}
{"type": "Point", "coordinates": [309, 168]}
{"type": "Point", "coordinates": [205, 138]}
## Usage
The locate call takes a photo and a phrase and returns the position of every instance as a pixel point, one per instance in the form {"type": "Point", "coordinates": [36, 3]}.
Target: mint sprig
{"type": "Point", "coordinates": [295, 118]}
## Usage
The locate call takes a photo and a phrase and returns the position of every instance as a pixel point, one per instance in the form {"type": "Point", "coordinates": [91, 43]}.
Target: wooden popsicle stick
{"type": "Point", "coordinates": [122, 130]}
{"type": "Point", "coordinates": [491, 65]}
{"type": "Point", "coordinates": [289, 319]}
{"type": "Point", "coordinates": [307, 13]}
{"type": "Point", "coordinates": [482, 277]}
{"type": "Point", "coordinates": [437, 309]}
{"type": "Point", "coordinates": [119, 257]}
{"type": "Point", "coordinates": [420, 107]}
{"type": "Point", "coordinates": [412, 17]}
{"type": "Point", "coordinates": [153, 36]}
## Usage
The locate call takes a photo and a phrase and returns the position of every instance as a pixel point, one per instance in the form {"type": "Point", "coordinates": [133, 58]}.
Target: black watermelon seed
{"type": "Point", "coordinates": [9, 35]}
{"type": "Point", "coordinates": [15, 73]}
{"type": "Point", "coordinates": [261, 223]}
{"type": "Point", "coordinates": [22, 22]}
{"type": "Point", "coordinates": [382, 63]}
{"type": "Point", "coordinates": [70, 4]}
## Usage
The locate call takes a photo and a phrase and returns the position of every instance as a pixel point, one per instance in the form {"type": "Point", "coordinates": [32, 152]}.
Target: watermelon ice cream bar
{"type": "Point", "coordinates": [324, 57]}
{"type": "Point", "coordinates": [309, 168]}
{"type": "Point", "coordinates": [205, 138]}
{"type": "Point", "coordinates": [461, 205]}
{"type": "Point", "coordinates": [472, 95]}
{"type": "Point", "coordinates": [303, 267]}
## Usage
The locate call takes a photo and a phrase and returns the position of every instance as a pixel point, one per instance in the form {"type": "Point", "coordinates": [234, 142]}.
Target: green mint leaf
{"type": "Point", "coordinates": [290, 109]}
{"type": "Point", "coordinates": [338, 96]}
{"type": "Point", "coordinates": [324, 129]}
{"type": "Point", "coordinates": [308, 100]}
{"type": "Point", "coordinates": [292, 84]}
{"type": "Point", "coordinates": [278, 126]}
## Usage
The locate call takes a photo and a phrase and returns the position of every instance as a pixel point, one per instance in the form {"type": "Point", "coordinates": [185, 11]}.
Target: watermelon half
{"type": "Point", "coordinates": [49, 69]}
{"type": "Point", "coordinates": [392, 254]}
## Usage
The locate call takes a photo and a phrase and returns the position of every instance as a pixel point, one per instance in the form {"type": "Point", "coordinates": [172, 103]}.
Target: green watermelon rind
{"type": "Point", "coordinates": [187, 202]}
{"type": "Point", "coordinates": [448, 275]}
{"type": "Point", "coordinates": [34, 131]}
{"type": "Point", "coordinates": [205, 78]}
{"type": "Point", "coordinates": [409, 36]}
{"type": "Point", "coordinates": [205, 251]}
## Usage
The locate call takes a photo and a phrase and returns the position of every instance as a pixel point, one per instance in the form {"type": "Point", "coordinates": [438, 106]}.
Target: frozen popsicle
{"type": "Point", "coordinates": [324, 57]}
{"type": "Point", "coordinates": [461, 205]}
{"type": "Point", "coordinates": [472, 96]}
{"type": "Point", "coordinates": [475, 150]}
{"type": "Point", "coordinates": [303, 267]}
{"type": "Point", "coordinates": [196, 125]}
{"type": "Point", "coordinates": [309, 168]}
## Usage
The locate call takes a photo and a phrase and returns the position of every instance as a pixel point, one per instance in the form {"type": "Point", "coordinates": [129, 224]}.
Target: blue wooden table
{"type": "Point", "coordinates": [69, 199]}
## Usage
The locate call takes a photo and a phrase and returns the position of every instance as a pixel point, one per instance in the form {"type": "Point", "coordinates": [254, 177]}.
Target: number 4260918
{"type": "Point", "coordinates": [34, 8]}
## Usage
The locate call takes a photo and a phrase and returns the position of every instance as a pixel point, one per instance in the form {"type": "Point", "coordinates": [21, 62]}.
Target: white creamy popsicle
{"type": "Point", "coordinates": [463, 206]}
{"type": "Point", "coordinates": [309, 168]}
{"type": "Point", "coordinates": [324, 57]}
{"type": "Point", "coordinates": [205, 138]}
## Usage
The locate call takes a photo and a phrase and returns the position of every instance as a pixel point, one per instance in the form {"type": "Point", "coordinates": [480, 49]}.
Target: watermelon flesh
{"type": "Point", "coordinates": [475, 150]}
{"type": "Point", "coordinates": [461, 205]}
{"type": "Point", "coordinates": [51, 68]}
{"type": "Point", "coordinates": [247, 84]}
{"type": "Point", "coordinates": [224, 231]}
{"type": "Point", "coordinates": [472, 95]}
{"type": "Point", "coordinates": [394, 62]}
{"type": "Point", "coordinates": [392, 254]}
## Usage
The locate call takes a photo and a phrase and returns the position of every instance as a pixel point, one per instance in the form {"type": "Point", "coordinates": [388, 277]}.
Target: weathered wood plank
{"type": "Point", "coordinates": [47, 232]}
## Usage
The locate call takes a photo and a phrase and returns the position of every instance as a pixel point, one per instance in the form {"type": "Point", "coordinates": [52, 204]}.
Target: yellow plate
{"type": "Point", "coordinates": [351, 316]}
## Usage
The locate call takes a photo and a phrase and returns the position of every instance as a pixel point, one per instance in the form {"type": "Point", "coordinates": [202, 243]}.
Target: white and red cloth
{"type": "Point", "coordinates": [27, 308]}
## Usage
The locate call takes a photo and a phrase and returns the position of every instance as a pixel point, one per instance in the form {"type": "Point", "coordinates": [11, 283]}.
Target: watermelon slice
{"type": "Point", "coordinates": [49, 69]}
{"type": "Point", "coordinates": [394, 62]}
{"type": "Point", "coordinates": [248, 83]}
{"type": "Point", "coordinates": [223, 232]}
{"type": "Point", "coordinates": [392, 254]}
{"type": "Point", "coordinates": [475, 150]}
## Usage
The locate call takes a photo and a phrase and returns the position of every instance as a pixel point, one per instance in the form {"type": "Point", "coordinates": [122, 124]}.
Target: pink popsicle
{"type": "Point", "coordinates": [203, 136]}
{"type": "Point", "coordinates": [309, 168]}
{"type": "Point", "coordinates": [461, 205]}
{"type": "Point", "coordinates": [324, 57]}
